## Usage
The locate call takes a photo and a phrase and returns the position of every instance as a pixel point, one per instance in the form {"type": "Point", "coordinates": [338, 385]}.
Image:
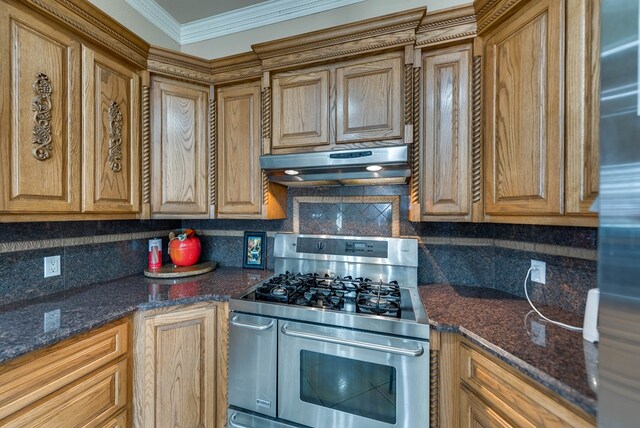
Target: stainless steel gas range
{"type": "Point", "coordinates": [337, 337]}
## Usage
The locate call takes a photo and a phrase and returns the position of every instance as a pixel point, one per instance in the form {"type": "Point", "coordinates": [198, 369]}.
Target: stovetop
{"type": "Point", "coordinates": [364, 283]}
{"type": "Point", "coordinates": [361, 295]}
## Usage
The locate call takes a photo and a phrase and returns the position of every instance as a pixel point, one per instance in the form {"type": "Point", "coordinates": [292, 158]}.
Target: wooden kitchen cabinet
{"type": "Point", "coordinates": [541, 111]}
{"type": "Point", "coordinates": [470, 388]}
{"type": "Point", "coordinates": [524, 144]}
{"type": "Point", "coordinates": [180, 366]}
{"type": "Point", "coordinates": [243, 190]}
{"type": "Point", "coordinates": [301, 109]}
{"type": "Point", "coordinates": [83, 381]}
{"type": "Point", "coordinates": [179, 149]}
{"type": "Point", "coordinates": [39, 150]}
{"type": "Point", "coordinates": [111, 143]}
{"type": "Point", "coordinates": [353, 103]}
{"type": "Point", "coordinates": [369, 102]}
{"type": "Point", "coordinates": [445, 182]}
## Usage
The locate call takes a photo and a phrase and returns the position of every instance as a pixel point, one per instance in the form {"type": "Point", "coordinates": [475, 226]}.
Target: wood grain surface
{"type": "Point", "coordinates": [31, 46]}
{"type": "Point", "coordinates": [106, 81]}
{"type": "Point", "coordinates": [446, 179]}
{"type": "Point", "coordinates": [90, 369]}
{"type": "Point", "coordinates": [369, 102]}
{"type": "Point", "coordinates": [179, 152]}
{"type": "Point", "coordinates": [524, 146]}
{"type": "Point", "coordinates": [176, 367]}
{"type": "Point", "coordinates": [301, 109]}
{"type": "Point", "coordinates": [239, 174]}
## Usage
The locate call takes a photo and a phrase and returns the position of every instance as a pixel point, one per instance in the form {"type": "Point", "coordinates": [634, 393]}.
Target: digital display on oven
{"type": "Point", "coordinates": [343, 247]}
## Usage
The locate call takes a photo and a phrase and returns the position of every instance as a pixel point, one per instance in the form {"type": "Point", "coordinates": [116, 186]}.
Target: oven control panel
{"type": "Point", "coordinates": [343, 247]}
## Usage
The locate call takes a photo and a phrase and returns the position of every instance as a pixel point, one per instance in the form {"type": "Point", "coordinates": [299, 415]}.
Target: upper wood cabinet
{"type": "Point", "coordinates": [242, 189]}
{"type": "Point", "coordinates": [111, 143]}
{"type": "Point", "coordinates": [180, 369]}
{"type": "Point", "coordinates": [369, 101]}
{"type": "Point", "coordinates": [179, 149]}
{"type": "Point", "coordinates": [524, 145]}
{"type": "Point", "coordinates": [445, 182]}
{"type": "Point", "coordinates": [541, 112]}
{"type": "Point", "coordinates": [356, 101]}
{"type": "Point", "coordinates": [301, 109]}
{"type": "Point", "coordinates": [40, 115]}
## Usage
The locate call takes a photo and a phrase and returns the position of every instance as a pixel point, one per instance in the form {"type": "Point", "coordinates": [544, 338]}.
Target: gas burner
{"type": "Point", "coordinates": [278, 291]}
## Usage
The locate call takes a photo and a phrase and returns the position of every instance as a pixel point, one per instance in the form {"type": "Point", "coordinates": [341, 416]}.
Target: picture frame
{"type": "Point", "coordinates": [254, 249]}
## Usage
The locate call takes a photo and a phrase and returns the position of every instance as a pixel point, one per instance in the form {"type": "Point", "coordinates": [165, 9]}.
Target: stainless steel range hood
{"type": "Point", "coordinates": [375, 165]}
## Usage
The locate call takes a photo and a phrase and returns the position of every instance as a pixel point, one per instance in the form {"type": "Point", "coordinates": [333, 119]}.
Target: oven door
{"type": "Point", "coordinates": [252, 363]}
{"type": "Point", "coordinates": [343, 378]}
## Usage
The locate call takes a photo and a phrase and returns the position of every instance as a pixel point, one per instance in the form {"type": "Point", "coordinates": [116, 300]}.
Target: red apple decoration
{"type": "Point", "coordinates": [184, 249]}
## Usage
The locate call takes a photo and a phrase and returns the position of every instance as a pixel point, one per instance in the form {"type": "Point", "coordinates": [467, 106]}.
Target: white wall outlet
{"type": "Point", "coordinates": [51, 266]}
{"type": "Point", "coordinates": [538, 333]}
{"type": "Point", "coordinates": [51, 320]}
{"type": "Point", "coordinates": [538, 271]}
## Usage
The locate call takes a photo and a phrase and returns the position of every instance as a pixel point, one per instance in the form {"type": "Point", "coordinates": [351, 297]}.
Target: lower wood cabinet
{"type": "Point", "coordinates": [180, 360]}
{"type": "Point", "coordinates": [83, 381]}
{"type": "Point", "coordinates": [470, 388]}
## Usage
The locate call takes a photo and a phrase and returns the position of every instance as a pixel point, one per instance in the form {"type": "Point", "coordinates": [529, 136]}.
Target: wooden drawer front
{"type": "Point", "coordinates": [28, 379]}
{"type": "Point", "coordinates": [119, 421]}
{"type": "Point", "coordinates": [85, 404]}
{"type": "Point", "coordinates": [476, 414]}
{"type": "Point", "coordinates": [520, 400]}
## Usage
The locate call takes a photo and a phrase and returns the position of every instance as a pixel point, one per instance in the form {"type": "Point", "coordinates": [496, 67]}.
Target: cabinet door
{"type": "Point", "coordinates": [179, 158]}
{"type": "Point", "coordinates": [40, 106]}
{"type": "Point", "coordinates": [111, 135]}
{"type": "Point", "coordinates": [583, 105]}
{"type": "Point", "coordinates": [175, 367]}
{"type": "Point", "coordinates": [524, 138]}
{"type": "Point", "coordinates": [239, 176]}
{"type": "Point", "coordinates": [446, 166]}
{"type": "Point", "coordinates": [301, 109]}
{"type": "Point", "coordinates": [476, 414]}
{"type": "Point", "coordinates": [369, 101]}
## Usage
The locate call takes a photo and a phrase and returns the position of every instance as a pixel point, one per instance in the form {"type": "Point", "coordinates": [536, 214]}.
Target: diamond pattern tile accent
{"type": "Point", "coordinates": [362, 219]}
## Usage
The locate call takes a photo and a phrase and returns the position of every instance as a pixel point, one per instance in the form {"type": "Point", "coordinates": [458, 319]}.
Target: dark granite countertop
{"type": "Point", "coordinates": [502, 324]}
{"type": "Point", "coordinates": [85, 308]}
{"type": "Point", "coordinates": [492, 319]}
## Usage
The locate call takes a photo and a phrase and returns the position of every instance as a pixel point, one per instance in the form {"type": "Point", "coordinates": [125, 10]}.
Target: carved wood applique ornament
{"type": "Point", "coordinates": [42, 107]}
{"type": "Point", "coordinates": [115, 137]}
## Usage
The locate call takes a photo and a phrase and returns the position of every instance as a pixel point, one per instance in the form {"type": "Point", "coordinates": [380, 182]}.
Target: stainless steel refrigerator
{"type": "Point", "coordinates": [619, 233]}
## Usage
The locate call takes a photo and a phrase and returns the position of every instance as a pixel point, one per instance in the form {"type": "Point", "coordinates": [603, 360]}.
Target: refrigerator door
{"type": "Point", "coordinates": [619, 234]}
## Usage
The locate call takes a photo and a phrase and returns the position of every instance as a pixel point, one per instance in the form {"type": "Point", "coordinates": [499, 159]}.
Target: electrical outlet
{"type": "Point", "coordinates": [51, 266]}
{"type": "Point", "coordinates": [538, 333]}
{"type": "Point", "coordinates": [538, 271]}
{"type": "Point", "coordinates": [51, 320]}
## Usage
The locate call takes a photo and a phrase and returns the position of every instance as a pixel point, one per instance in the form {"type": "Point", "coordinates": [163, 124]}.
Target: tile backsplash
{"type": "Point", "coordinates": [480, 254]}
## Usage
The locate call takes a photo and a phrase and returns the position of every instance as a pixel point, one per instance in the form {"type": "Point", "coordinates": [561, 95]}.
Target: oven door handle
{"type": "Point", "coordinates": [252, 326]}
{"type": "Point", "coordinates": [419, 350]}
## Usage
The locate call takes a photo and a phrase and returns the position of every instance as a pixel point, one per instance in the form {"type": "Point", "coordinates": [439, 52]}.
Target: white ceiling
{"type": "Point", "coordinates": [190, 21]}
{"type": "Point", "coordinates": [191, 10]}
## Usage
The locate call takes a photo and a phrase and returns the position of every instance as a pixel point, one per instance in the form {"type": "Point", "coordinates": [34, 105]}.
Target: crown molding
{"type": "Point", "coordinates": [247, 18]}
{"type": "Point", "coordinates": [158, 17]}
{"type": "Point", "coordinates": [235, 21]}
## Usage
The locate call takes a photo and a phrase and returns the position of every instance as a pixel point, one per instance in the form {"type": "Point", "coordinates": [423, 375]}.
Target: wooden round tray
{"type": "Point", "coordinates": [172, 271]}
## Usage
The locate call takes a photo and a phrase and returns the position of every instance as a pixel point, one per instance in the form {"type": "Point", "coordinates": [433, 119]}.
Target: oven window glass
{"type": "Point", "coordinates": [352, 386]}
